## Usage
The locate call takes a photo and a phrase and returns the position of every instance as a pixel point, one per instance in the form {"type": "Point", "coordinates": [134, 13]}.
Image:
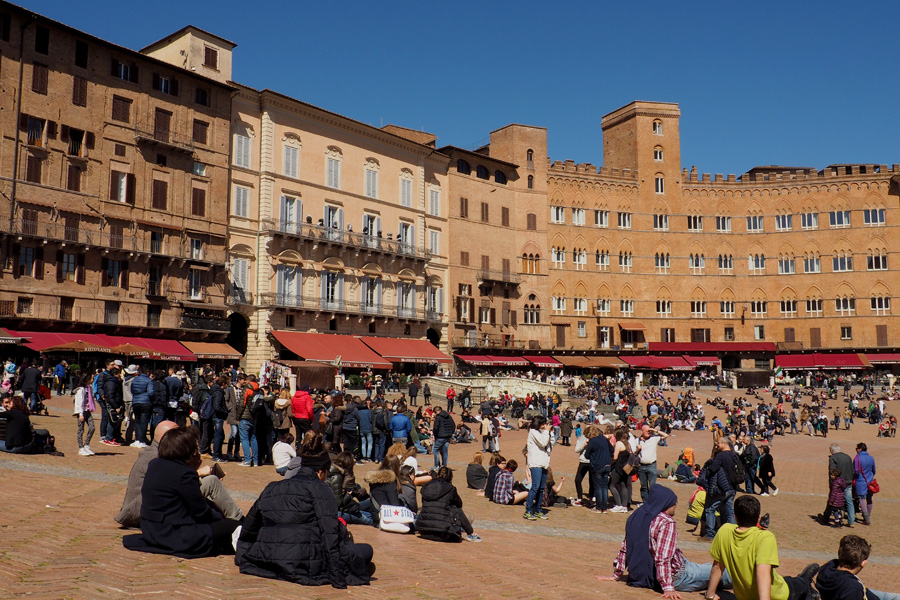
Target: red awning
{"type": "Point", "coordinates": [405, 350]}
{"type": "Point", "coordinates": [479, 360]}
{"type": "Point", "coordinates": [170, 350]}
{"type": "Point", "coordinates": [510, 361]}
{"type": "Point", "coordinates": [38, 340]}
{"type": "Point", "coordinates": [692, 347]}
{"type": "Point", "coordinates": [883, 359]}
{"type": "Point", "coordinates": [702, 361]}
{"type": "Point", "coordinates": [658, 363]}
{"type": "Point", "coordinates": [326, 348]}
{"type": "Point", "coordinates": [632, 326]}
{"type": "Point", "coordinates": [7, 338]}
{"type": "Point", "coordinates": [543, 361]}
{"type": "Point", "coordinates": [818, 360]}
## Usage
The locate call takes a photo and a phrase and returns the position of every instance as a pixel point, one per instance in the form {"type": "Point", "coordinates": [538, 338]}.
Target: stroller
{"type": "Point", "coordinates": [40, 408]}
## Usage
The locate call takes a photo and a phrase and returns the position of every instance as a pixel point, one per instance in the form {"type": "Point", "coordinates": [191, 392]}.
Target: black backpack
{"type": "Point", "coordinates": [737, 474]}
{"type": "Point", "coordinates": [257, 404]}
{"type": "Point", "coordinates": [380, 421]}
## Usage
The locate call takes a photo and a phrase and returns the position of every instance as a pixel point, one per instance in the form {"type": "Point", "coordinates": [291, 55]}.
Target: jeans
{"type": "Point", "coordinates": [851, 511]}
{"type": "Point", "coordinates": [487, 443]}
{"type": "Point", "coordinates": [440, 450]}
{"type": "Point", "coordinates": [361, 518]}
{"type": "Point", "coordinates": [694, 577]}
{"type": "Point", "coordinates": [724, 504]}
{"type": "Point", "coordinates": [113, 430]}
{"type": "Point", "coordinates": [601, 488]}
{"type": "Point", "coordinates": [156, 418]}
{"type": "Point", "coordinates": [218, 437]}
{"type": "Point", "coordinates": [536, 494]}
{"type": "Point", "coordinates": [206, 430]}
{"type": "Point", "coordinates": [365, 440]}
{"type": "Point", "coordinates": [380, 447]}
{"type": "Point", "coordinates": [141, 422]}
{"type": "Point", "coordinates": [420, 448]}
{"type": "Point", "coordinates": [749, 482]}
{"type": "Point", "coordinates": [647, 477]}
{"type": "Point", "coordinates": [248, 440]}
{"type": "Point", "coordinates": [32, 398]}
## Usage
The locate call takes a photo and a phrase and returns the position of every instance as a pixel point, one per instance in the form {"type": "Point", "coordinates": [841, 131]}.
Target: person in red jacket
{"type": "Point", "coordinates": [302, 407]}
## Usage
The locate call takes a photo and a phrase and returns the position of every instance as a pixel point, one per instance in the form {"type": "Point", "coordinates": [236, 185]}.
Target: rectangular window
{"type": "Point", "coordinates": [881, 305]}
{"type": "Point", "coordinates": [434, 202]}
{"type": "Point", "coordinates": [695, 223]}
{"type": "Point", "coordinates": [68, 267]}
{"type": "Point", "coordinates": [196, 249]}
{"type": "Point", "coordinates": [371, 182]}
{"type": "Point", "coordinates": [727, 308]}
{"type": "Point", "coordinates": [485, 212]}
{"type": "Point", "coordinates": [601, 218]}
{"type": "Point", "coordinates": [81, 54]}
{"type": "Point", "coordinates": [729, 334]}
{"type": "Point", "coordinates": [113, 273]}
{"type": "Point", "coordinates": [160, 194]}
{"type": "Point", "coordinates": [504, 216]}
{"type": "Point", "coordinates": [195, 284]}
{"type": "Point", "coordinates": [79, 91]}
{"type": "Point", "coordinates": [125, 72]}
{"type": "Point", "coordinates": [874, 216]}
{"type": "Point", "coordinates": [42, 40]}
{"type": "Point", "coordinates": [434, 242]}
{"type": "Point", "coordinates": [809, 220]}
{"type": "Point", "coordinates": [578, 216]}
{"type": "Point", "coordinates": [464, 259]}
{"type": "Point", "coordinates": [783, 222]}
{"type": "Point", "coordinates": [40, 76]}
{"type": "Point", "coordinates": [73, 178]}
{"type": "Point", "coordinates": [199, 169]}
{"type": "Point", "coordinates": [582, 329]}
{"type": "Point", "coordinates": [201, 132]}
{"type": "Point", "coordinates": [624, 220]}
{"type": "Point", "coordinates": [241, 201]}
{"type": "Point", "coordinates": [839, 218]}
{"type": "Point", "coordinates": [78, 141]}
{"type": "Point", "coordinates": [198, 202]}
{"type": "Point", "coordinates": [723, 224]}
{"type": "Point", "coordinates": [531, 222]}
{"type": "Point", "coordinates": [406, 193]}
{"type": "Point", "coordinates": [464, 208]}
{"type": "Point", "coordinates": [166, 85]}
{"type": "Point", "coordinates": [156, 242]}
{"type": "Point", "coordinates": [33, 168]}
{"type": "Point", "coordinates": [201, 96]}
{"type": "Point", "coordinates": [846, 332]}
{"type": "Point", "coordinates": [661, 222]}
{"type": "Point", "coordinates": [814, 306]}
{"type": "Point", "coordinates": [210, 57]}
{"type": "Point", "coordinates": [759, 332]}
{"type": "Point", "coordinates": [26, 262]}
{"type": "Point", "coordinates": [557, 214]}
{"type": "Point", "coordinates": [660, 185]}
{"type": "Point", "coordinates": [754, 224]}
{"type": "Point", "coordinates": [241, 151]}
{"type": "Point", "coordinates": [121, 109]}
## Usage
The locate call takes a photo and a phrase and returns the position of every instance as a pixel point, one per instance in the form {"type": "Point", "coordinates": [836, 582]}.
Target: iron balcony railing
{"type": "Point", "coordinates": [501, 276]}
{"type": "Point", "coordinates": [352, 239]}
{"type": "Point", "coordinates": [343, 306]}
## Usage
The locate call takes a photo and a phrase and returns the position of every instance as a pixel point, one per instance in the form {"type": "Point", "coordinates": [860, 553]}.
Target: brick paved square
{"type": "Point", "coordinates": [58, 539]}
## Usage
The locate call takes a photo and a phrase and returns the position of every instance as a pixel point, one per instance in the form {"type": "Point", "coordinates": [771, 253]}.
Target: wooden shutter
{"type": "Point", "coordinates": [504, 316]}
{"type": "Point", "coordinates": [493, 314]}
{"type": "Point", "coordinates": [198, 202]}
{"type": "Point", "coordinates": [156, 82]}
{"type": "Point", "coordinates": [560, 336]}
{"type": "Point", "coordinates": [134, 73]}
{"type": "Point", "coordinates": [789, 334]}
{"type": "Point", "coordinates": [60, 257]}
{"type": "Point", "coordinates": [173, 87]}
{"type": "Point", "coordinates": [514, 318]}
{"type": "Point", "coordinates": [113, 188]}
{"type": "Point", "coordinates": [79, 91]}
{"type": "Point", "coordinates": [89, 140]}
{"type": "Point", "coordinates": [51, 130]}
{"type": "Point", "coordinates": [16, 254]}
{"type": "Point", "coordinates": [64, 133]}
{"type": "Point", "coordinates": [73, 181]}
{"type": "Point", "coordinates": [23, 122]}
{"type": "Point", "coordinates": [815, 337]}
{"type": "Point", "coordinates": [160, 191]}
{"type": "Point", "coordinates": [114, 70]}
{"type": "Point", "coordinates": [33, 169]}
{"type": "Point", "coordinates": [123, 275]}
{"type": "Point", "coordinates": [504, 216]}
{"type": "Point", "coordinates": [881, 335]}
{"type": "Point", "coordinates": [463, 203]}
{"type": "Point", "coordinates": [38, 270]}
{"type": "Point", "coordinates": [79, 269]}
{"type": "Point", "coordinates": [104, 272]}
{"type": "Point", "coordinates": [39, 78]}
{"type": "Point", "coordinates": [485, 262]}
{"type": "Point", "coordinates": [130, 186]}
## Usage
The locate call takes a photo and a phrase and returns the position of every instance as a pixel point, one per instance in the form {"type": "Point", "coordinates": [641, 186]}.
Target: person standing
{"type": "Point", "coordinates": [426, 393]}
{"type": "Point", "coordinates": [141, 390]}
{"type": "Point", "coordinates": [767, 471]}
{"type": "Point", "coordinates": [646, 442]}
{"type": "Point", "coordinates": [843, 463]}
{"type": "Point", "coordinates": [538, 449]}
{"type": "Point", "coordinates": [451, 398]}
{"type": "Point", "coordinates": [220, 414]}
{"type": "Point", "coordinates": [112, 399]}
{"type": "Point", "coordinates": [864, 469]}
{"type": "Point", "coordinates": [350, 435]}
{"type": "Point", "coordinates": [413, 393]}
{"type": "Point", "coordinates": [721, 491]}
{"type": "Point", "coordinates": [442, 432]}
{"type": "Point", "coordinates": [302, 409]}
{"type": "Point", "coordinates": [175, 390]}
{"type": "Point", "coordinates": [30, 379]}
{"type": "Point", "coordinates": [599, 454]}
{"type": "Point", "coordinates": [365, 430]}
{"type": "Point", "coordinates": [62, 377]}
{"type": "Point", "coordinates": [232, 404]}
{"type": "Point", "coordinates": [83, 411]}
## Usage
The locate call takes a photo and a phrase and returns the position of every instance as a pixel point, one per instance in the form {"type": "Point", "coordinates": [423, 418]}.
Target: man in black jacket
{"type": "Point", "coordinates": [30, 382]}
{"type": "Point", "coordinates": [750, 457]}
{"type": "Point", "coordinates": [109, 387]}
{"type": "Point", "coordinates": [199, 405]}
{"type": "Point", "coordinates": [721, 492]}
{"type": "Point", "coordinates": [442, 432]}
{"type": "Point", "coordinates": [220, 414]}
{"type": "Point", "coordinates": [175, 389]}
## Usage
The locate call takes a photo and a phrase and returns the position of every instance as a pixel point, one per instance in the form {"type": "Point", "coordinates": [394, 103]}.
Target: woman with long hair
{"type": "Point", "coordinates": [620, 481]}
{"type": "Point", "coordinates": [538, 452]}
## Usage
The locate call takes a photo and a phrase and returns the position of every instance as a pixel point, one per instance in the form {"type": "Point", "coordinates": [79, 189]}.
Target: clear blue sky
{"type": "Point", "coordinates": [791, 83]}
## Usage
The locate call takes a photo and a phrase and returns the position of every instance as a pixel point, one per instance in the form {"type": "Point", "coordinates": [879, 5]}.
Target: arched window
{"type": "Point", "coordinates": [531, 182]}
{"type": "Point", "coordinates": [500, 177]}
{"type": "Point", "coordinates": [482, 173]}
{"type": "Point", "coordinates": [531, 221]}
{"type": "Point", "coordinates": [463, 167]}
{"type": "Point", "coordinates": [657, 127]}
{"type": "Point", "coordinates": [529, 155]}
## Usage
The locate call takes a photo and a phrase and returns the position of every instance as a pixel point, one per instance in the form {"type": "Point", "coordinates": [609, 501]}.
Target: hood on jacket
{"type": "Point", "coordinates": [834, 583]}
{"type": "Point", "coordinates": [436, 489]}
{"type": "Point", "coordinates": [380, 476]}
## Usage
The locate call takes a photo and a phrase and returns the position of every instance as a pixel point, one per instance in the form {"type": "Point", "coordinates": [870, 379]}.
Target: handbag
{"type": "Point", "coordinates": [634, 461]}
{"type": "Point", "coordinates": [395, 519]}
{"type": "Point", "coordinates": [871, 485]}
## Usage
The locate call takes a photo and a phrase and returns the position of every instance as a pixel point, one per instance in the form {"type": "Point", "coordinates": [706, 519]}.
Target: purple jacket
{"type": "Point", "coordinates": [836, 497]}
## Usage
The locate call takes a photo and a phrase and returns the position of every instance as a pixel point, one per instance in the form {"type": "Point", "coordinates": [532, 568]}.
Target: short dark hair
{"type": "Point", "coordinates": [512, 465]}
{"type": "Point", "coordinates": [537, 422]}
{"type": "Point", "coordinates": [445, 473]}
{"type": "Point", "coordinates": [179, 444]}
{"type": "Point", "coordinates": [287, 437]}
{"type": "Point", "coordinates": [861, 447]}
{"type": "Point", "coordinates": [746, 511]}
{"type": "Point", "coordinates": [853, 551]}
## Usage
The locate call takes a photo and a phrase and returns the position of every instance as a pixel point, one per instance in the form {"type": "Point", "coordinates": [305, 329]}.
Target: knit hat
{"type": "Point", "coordinates": [317, 462]}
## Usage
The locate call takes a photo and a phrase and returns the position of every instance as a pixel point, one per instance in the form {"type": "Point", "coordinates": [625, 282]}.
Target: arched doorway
{"type": "Point", "coordinates": [434, 336]}
{"type": "Point", "coordinates": [237, 335]}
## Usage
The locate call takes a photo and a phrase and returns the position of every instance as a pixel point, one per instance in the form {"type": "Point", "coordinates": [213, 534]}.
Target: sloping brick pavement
{"type": "Point", "coordinates": [58, 539]}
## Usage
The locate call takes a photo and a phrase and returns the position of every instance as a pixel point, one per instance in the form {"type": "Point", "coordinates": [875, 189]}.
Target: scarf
{"type": "Point", "coordinates": [638, 559]}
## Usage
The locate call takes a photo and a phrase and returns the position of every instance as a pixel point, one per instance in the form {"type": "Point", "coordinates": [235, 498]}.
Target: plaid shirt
{"type": "Point", "coordinates": [664, 549]}
{"type": "Point", "coordinates": [503, 487]}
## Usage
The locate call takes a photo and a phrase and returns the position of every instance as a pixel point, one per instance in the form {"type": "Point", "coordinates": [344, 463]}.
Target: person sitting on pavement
{"type": "Point", "coordinates": [749, 555]}
{"type": "Point", "coordinates": [384, 483]}
{"type": "Point", "coordinates": [441, 517]}
{"type": "Point", "coordinates": [650, 557]}
{"type": "Point", "coordinates": [293, 532]}
{"type": "Point", "coordinates": [210, 485]}
{"type": "Point", "coordinates": [176, 518]}
{"type": "Point", "coordinates": [839, 579]}
{"type": "Point", "coordinates": [476, 474]}
{"type": "Point", "coordinates": [504, 487]}
{"type": "Point", "coordinates": [19, 433]}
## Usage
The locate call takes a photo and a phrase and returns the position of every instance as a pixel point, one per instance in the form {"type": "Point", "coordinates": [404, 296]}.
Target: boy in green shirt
{"type": "Point", "coordinates": [750, 555]}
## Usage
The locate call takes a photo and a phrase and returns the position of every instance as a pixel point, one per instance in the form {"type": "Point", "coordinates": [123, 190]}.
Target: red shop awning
{"type": "Point", "coordinates": [478, 360]}
{"type": "Point", "coordinates": [326, 348]}
{"type": "Point", "coordinates": [702, 361]}
{"type": "Point", "coordinates": [510, 361]}
{"type": "Point", "coordinates": [658, 363]}
{"type": "Point", "coordinates": [405, 350]}
{"type": "Point", "coordinates": [819, 360]}
{"type": "Point", "coordinates": [212, 350]}
{"type": "Point", "coordinates": [884, 359]}
{"type": "Point", "coordinates": [543, 361]}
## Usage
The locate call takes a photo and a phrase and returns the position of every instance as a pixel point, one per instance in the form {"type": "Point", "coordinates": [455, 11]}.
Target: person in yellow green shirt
{"type": "Point", "coordinates": [750, 555]}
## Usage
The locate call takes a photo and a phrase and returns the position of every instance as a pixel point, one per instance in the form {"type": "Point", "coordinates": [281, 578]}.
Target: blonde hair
{"type": "Point", "coordinates": [397, 449]}
{"type": "Point", "coordinates": [477, 459]}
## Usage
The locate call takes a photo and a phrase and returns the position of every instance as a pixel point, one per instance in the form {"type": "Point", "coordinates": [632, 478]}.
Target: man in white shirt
{"type": "Point", "coordinates": [647, 441]}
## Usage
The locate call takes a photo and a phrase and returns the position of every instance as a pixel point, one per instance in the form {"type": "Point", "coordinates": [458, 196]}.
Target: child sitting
{"type": "Point", "coordinates": [282, 452]}
{"type": "Point", "coordinates": [504, 488]}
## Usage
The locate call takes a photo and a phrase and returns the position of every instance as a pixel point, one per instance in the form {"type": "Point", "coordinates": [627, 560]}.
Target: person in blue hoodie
{"type": "Point", "coordinates": [400, 427]}
{"type": "Point", "coordinates": [141, 406]}
{"type": "Point", "coordinates": [839, 578]}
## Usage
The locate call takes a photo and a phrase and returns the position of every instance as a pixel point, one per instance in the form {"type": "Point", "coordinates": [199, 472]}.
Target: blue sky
{"type": "Point", "coordinates": [790, 83]}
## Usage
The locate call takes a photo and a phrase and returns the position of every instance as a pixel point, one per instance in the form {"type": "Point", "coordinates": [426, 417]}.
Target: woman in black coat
{"type": "Point", "coordinates": [19, 437]}
{"type": "Point", "coordinates": [767, 470]}
{"type": "Point", "coordinates": [175, 517]}
{"type": "Point", "coordinates": [441, 517]}
{"type": "Point", "coordinates": [384, 483]}
{"type": "Point", "coordinates": [293, 533]}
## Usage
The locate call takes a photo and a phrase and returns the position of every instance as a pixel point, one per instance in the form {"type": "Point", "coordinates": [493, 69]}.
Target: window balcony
{"type": "Point", "coordinates": [486, 341]}
{"type": "Point", "coordinates": [492, 275]}
{"type": "Point", "coordinates": [202, 323]}
{"type": "Point", "coordinates": [148, 134]}
{"type": "Point", "coordinates": [238, 297]}
{"type": "Point", "coordinates": [350, 239]}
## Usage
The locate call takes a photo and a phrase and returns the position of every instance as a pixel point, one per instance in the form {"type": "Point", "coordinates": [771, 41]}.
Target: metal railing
{"type": "Point", "coordinates": [481, 341]}
{"type": "Point", "coordinates": [204, 323]}
{"type": "Point", "coordinates": [149, 132]}
{"type": "Point", "coordinates": [351, 239]}
{"type": "Point", "coordinates": [124, 240]}
{"type": "Point", "coordinates": [502, 276]}
{"type": "Point", "coordinates": [343, 306]}
{"type": "Point", "coordinates": [239, 297]}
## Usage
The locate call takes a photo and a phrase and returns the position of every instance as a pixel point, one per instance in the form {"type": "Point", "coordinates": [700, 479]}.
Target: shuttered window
{"type": "Point", "coordinates": [291, 161]}
{"type": "Point", "coordinates": [160, 194]}
{"type": "Point", "coordinates": [241, 201]}
{"type": "Point", "coordinates": [201, 131]}
{"type": "Point", "coordinates": [121, 109]}
{"type": "Point", "coordinates": [73, 179]}
{"type": "Point", "coordinates": [241, 151]}
{"type": "Point", "coordinates": [79, 91]}
{"type": "Point", "coordinates": [33, 168]}
{"type": "Point", "coordinates": [198, 202]}
{"type": "Point", "coordinates": [40, 75]}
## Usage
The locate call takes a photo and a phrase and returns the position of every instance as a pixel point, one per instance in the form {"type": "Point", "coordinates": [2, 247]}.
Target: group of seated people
{"type": "Point", "coordinates": [183, 510]}
{"type": "Point", "coordinates": [498, 482]}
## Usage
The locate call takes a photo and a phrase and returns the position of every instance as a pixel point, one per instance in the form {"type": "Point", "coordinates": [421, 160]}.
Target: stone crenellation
{"type": "Point", "coordinates": [856, 172]}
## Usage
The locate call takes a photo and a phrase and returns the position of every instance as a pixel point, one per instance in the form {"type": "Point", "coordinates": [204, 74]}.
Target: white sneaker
{"type": "Point", "coordinates": [764, 494]}
{"type": "Point", "coordinates": [775, 493]}
{"type": "Point", "coordinates": [135, 444]}
{"type": "Point", "coordinates": [235, 536]}
{"type": "Point", "coordinates": [83, 452]}
{"type": "Point", "coordinates": [89, 451]}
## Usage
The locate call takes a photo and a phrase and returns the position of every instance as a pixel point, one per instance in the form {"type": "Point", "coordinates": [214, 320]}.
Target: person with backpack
{"type": "Point", "coordinates": [381, 429]}
{"type": "Point", "coordinates": [141, 389]}
{"type": "Point", "coordinates": [201, 405]}
{"type": "Point", "coordinates": [723, 475]}
{"type": "Point", "coordinates": [250, 397]}
{"type": "Point", "coordinates": [219, 414]}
